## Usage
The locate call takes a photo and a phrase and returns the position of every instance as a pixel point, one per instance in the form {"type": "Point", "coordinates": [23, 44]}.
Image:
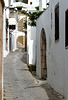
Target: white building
{"type": "Point", "coordinates": [52, 53]}
{"type": "Point", "coordinates": [6, 16]}
{"type": "Point", "coordinates": [33, 3]}
{"type": "Point", "coordinates": [31, 31]}
{"type": "Point", "coordinates": [43, 4]}
{"type": "Point", "coordinates": [31, 35]}
{"type": "Point", "coordinates": [12, 22]}
{"type": "Point", "coordinates": [14, 36]}
{"type": "Point", "coordinates": [6, 38]}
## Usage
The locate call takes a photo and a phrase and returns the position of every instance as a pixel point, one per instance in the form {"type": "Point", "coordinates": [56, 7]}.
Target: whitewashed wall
{"type": "Point", "coordinates": [5, 15]}
{"type": "Point", "coordinates": [31, 36]}
{"type": "Point", "coordinates": [13, 21]}
{"type": "Point", "coordinates": [42, 4]}
{"type": "Point", "coordinates": [11, 2]}
{"type": "Point", "coordinates": [35, 3]}
{"type": "Point", "coordinates": [4, 33]}
{"type": "Point", "coordinates": [57, 55]}
{"type": "Point", "coordinates": [31, 44]}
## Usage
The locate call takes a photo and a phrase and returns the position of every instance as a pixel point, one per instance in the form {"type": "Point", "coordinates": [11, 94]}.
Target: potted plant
{"type": "Point", "coordinates": [17, 0]}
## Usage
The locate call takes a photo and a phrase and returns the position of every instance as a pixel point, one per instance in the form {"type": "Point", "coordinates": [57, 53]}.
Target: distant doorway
{"type": "Point", "coordinates": [10, 42]}
{"type": "Point", "coordinates": [43, 55]}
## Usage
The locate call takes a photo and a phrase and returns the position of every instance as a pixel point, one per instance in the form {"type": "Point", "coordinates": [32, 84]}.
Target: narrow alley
{"type": "Point", "coordinates": [19, 84]}
{"type": "Point", "coordinates": [33, 49]}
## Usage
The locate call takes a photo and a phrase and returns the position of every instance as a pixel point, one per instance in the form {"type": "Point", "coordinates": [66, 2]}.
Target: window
{"type": "Point", "coordinates": [30, 3]}
{"type": "Point", "coordinates": [51, 20]}
{"type": "Point", "coordinates": [57, 22]}
{"type": "Point", "coordinates": [66, 28]}
{"type": "Point", "coordinates": [12, 27]}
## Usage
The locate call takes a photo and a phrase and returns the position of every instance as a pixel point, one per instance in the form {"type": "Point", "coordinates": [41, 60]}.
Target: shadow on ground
{"type": "Point", "coordinates": [19, 82]}
{"type": "Point", "coordinates": [52, 94]}
{"type": "Point", "coordinates": [24, 58]}
{"type": "Point", "coordinates": [21, 49]}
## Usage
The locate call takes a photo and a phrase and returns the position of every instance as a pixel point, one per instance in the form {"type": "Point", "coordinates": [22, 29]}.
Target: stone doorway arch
{"type": "Point", "coordinates": [43, 55]}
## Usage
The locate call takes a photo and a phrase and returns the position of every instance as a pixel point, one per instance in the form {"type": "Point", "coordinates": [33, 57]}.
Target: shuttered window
{"type": "Point", "coordinates": [66, 28]}
{"type": "Point", "coordinates": [57, 22]}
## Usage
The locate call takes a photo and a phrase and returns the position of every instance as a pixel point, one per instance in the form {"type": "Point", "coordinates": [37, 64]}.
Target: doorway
{"type": "Point", "coordinates": [10, 42]}
{"type": "Point", "coordinates": [43, 55]}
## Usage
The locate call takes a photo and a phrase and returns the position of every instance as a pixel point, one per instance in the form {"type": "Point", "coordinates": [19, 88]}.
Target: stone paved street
{"type": "Point", "coordinates": [19, 84]}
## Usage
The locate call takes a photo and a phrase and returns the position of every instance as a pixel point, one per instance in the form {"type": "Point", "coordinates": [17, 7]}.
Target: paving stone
{"type": "Point", "coordinates": [19, 84]}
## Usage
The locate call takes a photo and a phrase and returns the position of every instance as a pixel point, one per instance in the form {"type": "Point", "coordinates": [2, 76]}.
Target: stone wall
{"type": "Point", "coordinates": [21, 41]}
{"type": "Point", "coordinates": [1, 45]}
{"type": "Point", "coordinates": [21, 24]}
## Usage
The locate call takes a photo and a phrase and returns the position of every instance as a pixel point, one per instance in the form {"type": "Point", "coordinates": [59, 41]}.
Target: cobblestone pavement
{"type": "Point", "coordinates": [19, 84]}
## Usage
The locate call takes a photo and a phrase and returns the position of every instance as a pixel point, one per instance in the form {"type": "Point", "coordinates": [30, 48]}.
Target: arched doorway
{"type": "Point", "coordinates": [43, 55]}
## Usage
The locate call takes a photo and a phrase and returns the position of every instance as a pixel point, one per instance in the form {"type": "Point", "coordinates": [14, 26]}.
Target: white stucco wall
{"type": "Point", "coordinates": [6, 3]}
{"type": "Point", "coordinates": [31, 36]}
{"type": "Point", "coordinates": [40, 25]}
{"type": "Point", "coordinates": [35, 3]}
{"type": "Point", "coordinates": [42, 4]}
{"type": "Point", "coordinates": [31, 44]}
{"type": "Point", "coordinates": [5, 15]}
{"type": "Point", "coordinates": [4, 34]}
{"type": "Point", "coordinates": [13, 21]}
{"type": "Point", "coordinates": [57, 55]}
{"type": "Point", "coordinates": [11, 2]}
